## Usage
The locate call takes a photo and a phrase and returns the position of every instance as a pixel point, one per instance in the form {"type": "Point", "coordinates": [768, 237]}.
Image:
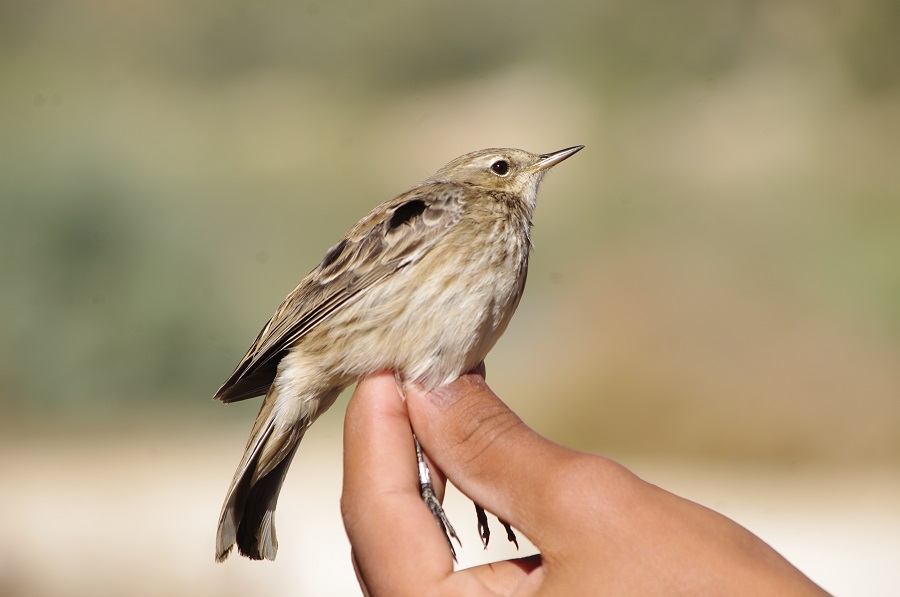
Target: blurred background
{"type": "Point", "coordinates": [714, 299]}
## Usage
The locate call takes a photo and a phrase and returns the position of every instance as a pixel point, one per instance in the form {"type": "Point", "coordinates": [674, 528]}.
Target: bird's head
{"type": "Point", "coordinates": [512, 171]}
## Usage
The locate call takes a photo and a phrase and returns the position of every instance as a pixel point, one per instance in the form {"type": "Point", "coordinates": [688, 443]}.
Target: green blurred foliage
{"type": "Point", "coordinates": [170, 170]}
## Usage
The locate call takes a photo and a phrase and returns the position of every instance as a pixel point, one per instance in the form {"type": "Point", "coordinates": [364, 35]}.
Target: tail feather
{"type": "Point", "coordinates": [247, 516]}
{"type": "Point", "coordinates": [256, 537]}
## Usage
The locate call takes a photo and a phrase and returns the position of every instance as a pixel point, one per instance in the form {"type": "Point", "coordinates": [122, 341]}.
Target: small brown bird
{"type": "Point", "coordinates": [424, 285]}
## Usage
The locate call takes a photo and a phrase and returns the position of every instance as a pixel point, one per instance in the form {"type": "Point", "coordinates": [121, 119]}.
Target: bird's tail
{"type": "Point", "coordinates": [248, 514]}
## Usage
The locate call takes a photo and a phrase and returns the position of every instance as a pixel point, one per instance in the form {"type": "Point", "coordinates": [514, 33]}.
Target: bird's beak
{"type": "Point", "coordinates": [548, 160]}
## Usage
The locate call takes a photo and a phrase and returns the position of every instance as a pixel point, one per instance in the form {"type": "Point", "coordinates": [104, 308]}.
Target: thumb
{"type": "Point", "coordinates": [487, 451]}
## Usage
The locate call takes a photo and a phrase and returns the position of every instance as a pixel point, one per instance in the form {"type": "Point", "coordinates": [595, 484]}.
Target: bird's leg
{"type": "Point", "coordinates": [428, 495]}
{"type": "Point", "coordinates": [483, 530]}
{"type": "Point", "coordinates": [426, 489]}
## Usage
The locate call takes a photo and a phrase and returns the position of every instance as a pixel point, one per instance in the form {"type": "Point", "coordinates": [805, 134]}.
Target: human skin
{"type": "Point", "coordinates": [600, 529]}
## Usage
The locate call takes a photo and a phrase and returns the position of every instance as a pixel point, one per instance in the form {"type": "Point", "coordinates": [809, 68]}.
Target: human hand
{"type": "Point", "coordinates": [600, 528]}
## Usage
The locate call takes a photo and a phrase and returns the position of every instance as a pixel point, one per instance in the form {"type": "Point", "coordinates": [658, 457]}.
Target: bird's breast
{"type": "Point", "coordinates": [437, 318]}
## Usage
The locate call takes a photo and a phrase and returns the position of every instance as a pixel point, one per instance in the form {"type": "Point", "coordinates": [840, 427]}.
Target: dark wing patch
{"type": "Point", "coordinates": [379, 245]}
{"type": "Point", "coordinates": [406, 212]}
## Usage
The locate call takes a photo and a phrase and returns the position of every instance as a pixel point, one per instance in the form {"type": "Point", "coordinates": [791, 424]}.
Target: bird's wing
{"type": "Point", "coordinates": [395, 234]}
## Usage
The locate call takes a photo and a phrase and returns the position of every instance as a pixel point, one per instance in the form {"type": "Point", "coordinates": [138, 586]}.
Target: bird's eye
{"type": "Point", "coordinates": [500, 167]}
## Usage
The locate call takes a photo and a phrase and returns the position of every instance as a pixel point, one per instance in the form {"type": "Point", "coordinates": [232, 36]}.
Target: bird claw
{"type": "Point", "coordinates": [510, 535]}
{"type": "Point", "coordinates": [484, 530]}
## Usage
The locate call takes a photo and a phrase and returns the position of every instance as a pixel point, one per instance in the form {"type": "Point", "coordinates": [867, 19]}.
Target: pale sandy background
{"type": "Point", "coordinates": [714, 299]}
{"type": "Point", "coordinates": [135, 515]}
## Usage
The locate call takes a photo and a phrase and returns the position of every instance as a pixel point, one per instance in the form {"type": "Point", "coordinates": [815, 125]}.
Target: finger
{"type": "Point", "coordinates": [394, 537]}
{"type": "Point", "coordinates": [487, 451]}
